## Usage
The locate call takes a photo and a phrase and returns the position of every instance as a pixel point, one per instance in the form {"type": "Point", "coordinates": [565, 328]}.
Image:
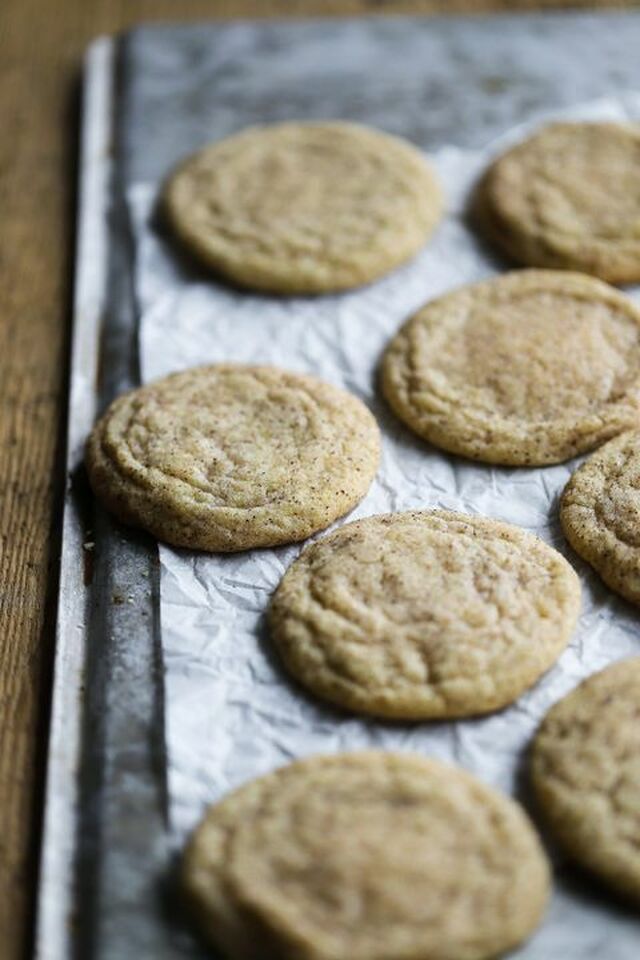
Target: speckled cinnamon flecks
{"type": "Point", "coordinates": [424, 614]}
{"type": "Point", "coordinates": [229, 456]}
{"type": "Point", "coordinates": [528, 368]}
{"type": "Point", "coordinates": [600, 513]}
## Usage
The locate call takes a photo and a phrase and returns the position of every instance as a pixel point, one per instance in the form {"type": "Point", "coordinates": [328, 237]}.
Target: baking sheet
{"type": "Point", "coordinates": [231, 713]}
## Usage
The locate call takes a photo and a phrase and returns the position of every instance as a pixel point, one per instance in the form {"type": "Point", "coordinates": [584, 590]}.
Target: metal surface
{"type": "Point", "coordinates": [105, 862]}
{"type": "Point", "coordinates": [104, 851]}
{"type": "Point", "coordinates": [433, 80]}
{"type": "Point", "coordinates": [55, 908]}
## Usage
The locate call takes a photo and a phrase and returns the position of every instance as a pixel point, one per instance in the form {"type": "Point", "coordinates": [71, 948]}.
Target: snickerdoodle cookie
{"type": "Point", "coordinates": [585, 768]}
{"type": "Point", "coordinates": [424, 614]}
{"type": "Point", "coordinates": [302, 208]}
{"type": "Point", "coordinates": [230, 456]}
{"type": "Point", "coordinates": [528, 368]}
{"type": "Point", "coordinates": [568, 197]}
{"type": "Point", "coordinates": [600, 513]}
{"type": "Point", "coordinates": [366, 856]}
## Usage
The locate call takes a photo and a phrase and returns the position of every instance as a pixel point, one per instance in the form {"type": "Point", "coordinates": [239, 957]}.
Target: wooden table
{"type": "Point", "coordinates": [41, 44]}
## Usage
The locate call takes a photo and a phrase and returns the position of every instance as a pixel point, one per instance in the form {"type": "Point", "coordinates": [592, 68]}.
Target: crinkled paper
{"type": "Point", "coordinates": [231, 713]}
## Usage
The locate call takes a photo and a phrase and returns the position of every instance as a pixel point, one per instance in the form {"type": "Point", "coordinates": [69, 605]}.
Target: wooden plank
{"type": "Point", "coordinates": [40, 51]}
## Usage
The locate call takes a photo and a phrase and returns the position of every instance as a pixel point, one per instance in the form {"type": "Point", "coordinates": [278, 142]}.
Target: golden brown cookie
{"type": "Point", "coordinates": [568, 197]}
{"type": "Point", "coordinates": [424, 615]}
{"type": "Point", "coordinates": [304, 207]}
{"type": "Point", "coordinates": [585, 768]}
{"type": "Point", "coordinates": [528, 368]}
{"type": "Point", "coordinates": [230, 456]}
{"type": "Point", "coordinates": [366, 856]}
{"type": "Point", "coordinates": [600, 513]}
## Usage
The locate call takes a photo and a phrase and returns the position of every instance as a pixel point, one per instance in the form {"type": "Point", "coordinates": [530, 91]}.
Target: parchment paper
{"type": "Point", "coordinates": [231, 713]}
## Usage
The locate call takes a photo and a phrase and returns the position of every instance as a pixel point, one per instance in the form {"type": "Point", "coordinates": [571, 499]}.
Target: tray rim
{"type": "Point", "coordinates": [55, 889]}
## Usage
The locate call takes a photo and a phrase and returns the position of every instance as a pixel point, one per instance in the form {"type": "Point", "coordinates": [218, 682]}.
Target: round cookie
{"type": "Point", "coordinates": [568, 198]}
{"type": "Point", "coordinates": [585, 768]}
{"type": "Point", "coordinates": [600, 513]}
{"type": "Point", "coordinates": [304, 208]}
{"type": "Point", "coordinates": [528, 368]}
{"type": "Point", "coordinates": [228, 457]}
{"type": "Point", "coordinates": [366, 856]}
{"type": "Point", "coordinates": [424, 615]}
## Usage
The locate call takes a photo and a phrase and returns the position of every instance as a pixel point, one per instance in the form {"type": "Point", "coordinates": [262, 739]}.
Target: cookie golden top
{"type": "Point", "coordinates": [424, 614]}
{"type": "Point", "coordinates": [600, 513]}
{"type": "Point", "coordinates": [304, 207]}
{"type": "Point", "coordinates": [529, 368]}
{"type": "Point", "coordinates": [367, 856]}
{"type": "Point", "coordinates": [230, 456]}
{"type": "Point", "coordinates": [586, 773]}
{"type": "Point", "coordinates": [569, 197]}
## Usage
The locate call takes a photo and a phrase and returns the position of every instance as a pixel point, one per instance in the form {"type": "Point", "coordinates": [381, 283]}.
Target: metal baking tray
{"type": "Point", "coordinates": [106, 865]}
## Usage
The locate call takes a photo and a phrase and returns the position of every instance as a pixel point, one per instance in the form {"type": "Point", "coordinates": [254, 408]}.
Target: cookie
{"type": "Point", "coordinates": [528, 368]}
{"type": "Point", "coordinates": [568, 198]}
{"type": "Point", "coordinates": [230, 456]}
{"type": "Point", "coordinates": [585, 768]}
{"type": "Point", "coordinates": [600, 513]}
{"type": "Point", "coordinates": [424, 615]}
{"type": "Point", "coordinates": [366, 856]}
{"type": "Point", "coordinates": [304, 208]}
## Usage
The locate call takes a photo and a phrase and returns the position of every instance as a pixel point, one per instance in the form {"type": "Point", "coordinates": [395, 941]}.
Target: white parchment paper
{"type": "Point", "coordinates": [231, 713]}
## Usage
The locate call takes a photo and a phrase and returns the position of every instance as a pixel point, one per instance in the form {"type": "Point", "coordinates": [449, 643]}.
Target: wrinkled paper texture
{"type": "Point", "coordinates": [231, 713]}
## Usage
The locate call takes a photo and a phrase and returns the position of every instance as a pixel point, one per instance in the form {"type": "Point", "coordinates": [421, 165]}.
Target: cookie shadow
{"type": "Point", "coordinates": [492, 242]}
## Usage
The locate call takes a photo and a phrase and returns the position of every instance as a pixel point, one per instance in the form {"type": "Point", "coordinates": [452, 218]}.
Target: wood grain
{"type": "Point", "coordinates": [41, 44]}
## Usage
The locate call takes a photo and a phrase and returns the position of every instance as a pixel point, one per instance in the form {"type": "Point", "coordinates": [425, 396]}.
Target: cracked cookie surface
{"type": "Point", "coordinates": [528, 368]}
{"type": "Point", "coordinates": [585, 768]}
{"type": "Point", "coordinates": [424, 614]}
{"type": "Point", "coordinates": [569, 198]}
{"type": "Point", "coordinates": [304, 208]}
{"type": "Point", "coordinates": [600, 513]}
{"type": "Point", "coordinates": [366, 856]}
{"type": "Point", "coordinates": [230, 456]}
